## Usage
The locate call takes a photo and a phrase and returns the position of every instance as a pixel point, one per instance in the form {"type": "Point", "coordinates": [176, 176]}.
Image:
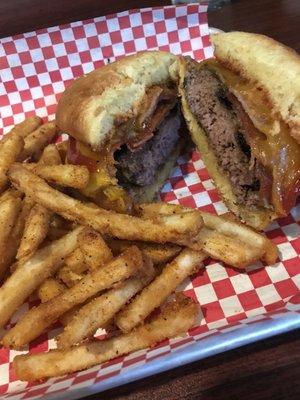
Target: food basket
{"type": "Point", "coordinates": [238, 307]}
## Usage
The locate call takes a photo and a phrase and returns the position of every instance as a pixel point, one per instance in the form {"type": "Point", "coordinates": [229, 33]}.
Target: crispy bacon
{"type": "Point", "coordinates": [157, 104]}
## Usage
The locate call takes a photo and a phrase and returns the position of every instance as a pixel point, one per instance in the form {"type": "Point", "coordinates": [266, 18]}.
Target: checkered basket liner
{"type": "Point", "coordinates": [35, 68]}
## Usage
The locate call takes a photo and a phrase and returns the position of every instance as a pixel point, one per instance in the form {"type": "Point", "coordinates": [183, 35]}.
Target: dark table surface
{"type": "Point", "coordinates": [265, 370]}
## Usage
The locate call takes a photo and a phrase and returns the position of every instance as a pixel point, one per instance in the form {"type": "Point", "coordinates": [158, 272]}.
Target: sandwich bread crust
{"type": "Point", "coordinates": [269, 67]}
{"type": "Point", "coordinates": [95, 104]}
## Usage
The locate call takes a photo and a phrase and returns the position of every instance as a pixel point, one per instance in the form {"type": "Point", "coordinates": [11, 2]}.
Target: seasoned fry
{"type": "Point", "coordinates": [16, 235]}
{"type": "Point", "coordinates": [50, 156]}
{"type": "Point", "coordinates": [9, 210]}
{"type": "Point", "coordinates": [176, 318]}
{"type": "Point", "coordinates": [39, 318]}
{"type": "Point", "coordinates": [248, 236]}
{"type": "Point", "coordinates": [106, 222]}
{"type": "Point", "coordinates": [95, 250]}
{"type": "Point", "coordinates": [75, 176]}
{"type": "Point", "coordinates": [76, 260]}
{"type": "Point", "coordinates": [69, 315]}
{"type": "Point", "coordinates": [257, 245]}
{"type": "Point", "coordinates": [29, 275]}
{"type": "Point", "coordinates": [10, 149]}
{"type": "Point", "coordinates": [50, 288]}
{"type": "Point", "coordinates": [36, 141]}
{"type": "Point", "coordinates": [38, 222]}
{"type": "Point", "coordinates": [9, 193]}
{"type": "Point", "coordinates": [187, 263]}
{"type": "Point", "coordinates": [100, 310]}
{"type": "Point", "coordinates": [230, 250]}
{"type": "Point", "coordinates": [62, 148]}
{"type": "Point", "coordinates": [26, 127]}
{"type": "Point", "coordinates": [69, 277]}
{"type": "Point", "coordinates": [35, 231]}
{"type": "Point", "coordinates": [75, 263]}
{"type": "Point", "coordinates": [158, 253]}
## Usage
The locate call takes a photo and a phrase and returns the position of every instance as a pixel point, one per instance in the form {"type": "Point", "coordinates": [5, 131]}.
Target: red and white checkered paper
{"type": "Point", "coordinates": [35, 68]}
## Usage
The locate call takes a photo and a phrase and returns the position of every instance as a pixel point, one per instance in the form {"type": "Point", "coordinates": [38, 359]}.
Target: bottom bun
{"type": "Point", "coordinates": [257, 218]}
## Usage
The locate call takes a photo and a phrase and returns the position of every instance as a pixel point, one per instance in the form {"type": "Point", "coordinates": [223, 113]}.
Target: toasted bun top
{"type": "Point", "coordinates": [94, 104]}
{"type": "Point", "coordinates": [268, 66]}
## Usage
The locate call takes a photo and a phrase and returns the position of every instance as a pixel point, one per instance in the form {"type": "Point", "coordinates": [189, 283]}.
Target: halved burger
{"type": "Point", "coordinates": [243, 111]}
{"type": "Point", "coordinates": [125, 124]}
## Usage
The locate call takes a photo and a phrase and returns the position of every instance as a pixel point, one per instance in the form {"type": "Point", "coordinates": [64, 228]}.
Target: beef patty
{"type": "Point", "coordinates": [212, 105]}
{"type": "Point", "coordinates": [139, 167]}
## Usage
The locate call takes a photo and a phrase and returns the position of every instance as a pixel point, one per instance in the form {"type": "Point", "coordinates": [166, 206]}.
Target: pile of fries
{"type": "Point", "coordinates": [93, 268]}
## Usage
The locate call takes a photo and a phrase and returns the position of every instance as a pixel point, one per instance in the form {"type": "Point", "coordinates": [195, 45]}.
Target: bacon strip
{"type": "Point", "coordinates": [157, 104]}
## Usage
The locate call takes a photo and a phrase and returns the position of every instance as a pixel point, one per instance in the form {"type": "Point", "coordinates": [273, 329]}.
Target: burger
{"type": "Point", "coordinates": [242, 109]}
{"type": "Point", "coordinates": [125, 125]}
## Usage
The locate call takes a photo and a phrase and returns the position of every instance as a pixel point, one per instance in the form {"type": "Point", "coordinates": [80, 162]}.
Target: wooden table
{"type": "Point", "coordinates": [266, 370]}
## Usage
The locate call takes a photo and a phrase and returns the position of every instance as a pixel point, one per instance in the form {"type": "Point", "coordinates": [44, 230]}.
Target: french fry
{"type": "Point", "coordinates": [36, 141]}
{"type": "Point", "coordinates": [9, 210]}
{"type": "Point", "coordinates": [9, 193]}
{"type": "Point", "coordinates": [152, 296]}
{"type": "Point", "coordinates": [250, 245]}
{"type": "Point", "coordinates": [100, 310]}
{"type": "Point", "coordinates": [76, 261]}
{"type": "Point", "coordinates": [39, 318]}
{"type": "Point", "coordinates": [29, 275]}
{"type": "Point", "coordinates": [35, 231]}
{"type": "Point", "coordinates": [95, 251]}
{"type": "Point", "coordinates": [230, 250]}
{"type": "Point", "coordinates": [16, 234]}
{"type": "Point", "coordinates": [62, 148]}
{"type": "Point", "coordinates": [106, 222]}
{"type": "Point", "coordinates": [10, 149]}
{"type": "Point", "coordinates": [26, 127]}
{"type": "Point", "coordinates": [177, 317]}
{"type": "Point", "coordinates": [49, 289]}
{"type": "Point", "coordinates": [158, 253]}
{"type": "Point", "coordinates": [248, 236]}
{"type": "Point", "coordinates": [75, 265]}
{"type": "Point", "coordinates": [38, 222]}
{"type": "Point", "coordinates": [69, 277]}
{"type": "Point", "coordinates": [50, 156]}
{"type": "Point", "coordinates": [75, 176]}
{"type": "Point", "coordinates": [69, 315]}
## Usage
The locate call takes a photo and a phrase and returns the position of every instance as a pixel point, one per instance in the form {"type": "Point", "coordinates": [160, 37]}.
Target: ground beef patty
{"type": "Point", "coordinates": [139, 167]}
{"type": "Point", "coordinates": [208, 100]}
